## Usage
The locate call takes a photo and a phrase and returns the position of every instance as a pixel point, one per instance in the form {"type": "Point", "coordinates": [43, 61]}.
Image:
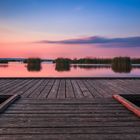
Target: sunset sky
{"type": "Point", "coordinates": [69, 28]}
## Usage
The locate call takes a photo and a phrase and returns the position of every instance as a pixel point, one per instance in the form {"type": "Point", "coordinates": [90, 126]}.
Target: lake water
{"type": "Point", "coordinates": [50, 70]}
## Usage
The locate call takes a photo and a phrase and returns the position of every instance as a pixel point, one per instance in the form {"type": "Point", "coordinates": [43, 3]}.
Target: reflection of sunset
{"type": "Point", "coordinates": [48, 70]}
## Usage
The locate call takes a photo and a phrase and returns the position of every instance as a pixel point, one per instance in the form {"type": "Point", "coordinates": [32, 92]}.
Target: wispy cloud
{"type": "Point", "coordinates": [126, 42]}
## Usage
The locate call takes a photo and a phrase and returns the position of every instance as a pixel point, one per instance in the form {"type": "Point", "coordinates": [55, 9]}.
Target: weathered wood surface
{"type": "Point", "coordinates": [69, 88]}
{"type": "Point", "coordinates": [69, 119]}
{"type": "Point", "coordinates": [68, 109]}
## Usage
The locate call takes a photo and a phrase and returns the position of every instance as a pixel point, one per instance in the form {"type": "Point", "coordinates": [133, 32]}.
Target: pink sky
{"type": "Point", "coordinates": [57, 20]}
{"type": "Point", "coordinates": [63, 50]}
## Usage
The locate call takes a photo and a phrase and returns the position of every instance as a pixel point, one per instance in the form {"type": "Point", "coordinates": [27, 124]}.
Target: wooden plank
{"type": "Point", "coordinates": [98, 88]}
{"type": "Point", "coordinates": [71, 130]}
{"type": "Point", "coordinates": [4, 82]}
{"type": "Point", "coordinates": [19, 88]}
{"type": "Point", "coordinates": [44, 120]}
{"type": "Point", "coordinates": [72, 137]}
{"type": "Point", "coordinates": [62, 90]}
{"type": "Point", "coordinates": [42, 111]}
{"type": "Point", "coordinates": [92, 90]}
{"type": "Point", "coordinates": [54, 91]}
{"type": "Point", "coordinates": [69, 90]}
{"type": "Point", "coordinates": [14, 86]}
{"type": "Point", "coordinates": [123, 88]}
{"type": "Point", "coordinates": [47, 89]}
{"type": "Point", "coordinates": [66, 107]}
{"type": "Point", "coordinates": [130, 86]}
{"type": "Point", "coordinates": [39, 89]}
{"type": "Point", "coordinates": [104, 86]}
{"type": "Point", "coordinates": [30, 115]}
{"type": "Point", "coordinates": [77, 90]}
{"type": "Point", "coordinates": [72, 119]}
{"type": "Point", "coordinates": [34, 85]}
{"type": "Point", "coordinates": [103, 101]}
{"type": "Point", "coordinates": [84, 89]}
{"type": "Point", "coordinates": [7, 86]}
{"type": "Point", "coordinates": [114, 90]}
{"type": "Point", "coordinates": [25, 87]}
{"type": "Point", "coordinates": [65, 123]}
{"type": "Point", "coordinates": [7, 102]}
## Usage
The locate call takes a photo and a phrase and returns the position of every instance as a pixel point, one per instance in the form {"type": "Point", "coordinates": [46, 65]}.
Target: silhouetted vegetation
{"type": "Point", "coordinates": [97, 60]}
{"type": "Point", "coordinates": [62, 64]}
{"type": "Point", "coordinates": [4, 61]}
{"type": "Point", "coordinates": [63, 60]}
{"type": "Point", "coordinates": [62, 67]}
{"type": "Point", "coordinates": [121, 64]}
{"type": "Point", "coordinates": [33, 64]}
{"type": "Point", "coordinates": [32, 60]}
{"type": "Point", "coordinates": [92, 61]}
{"type": "Point", "coordinates": [135, 61]}
{"type": "Point", "coordinates": [122, 60]}
{"type": "Point", "coordinates": [85, 60]}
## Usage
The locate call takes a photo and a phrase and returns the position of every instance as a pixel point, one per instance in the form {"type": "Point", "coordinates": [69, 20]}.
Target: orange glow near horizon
{"type": "Point", "coordinates": [26, 50]}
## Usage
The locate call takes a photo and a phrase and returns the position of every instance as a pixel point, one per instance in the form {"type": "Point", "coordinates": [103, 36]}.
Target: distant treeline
{"type": "Point", "coordinates": [84, 61]}
{"type": "Point", "coordinates": [91, 61]}
{"type": "Point", "coordinates": [135, 61]}
{"type": "Point", "coordinates": [98, 60]}
{"type": "Point", "coordinates": [76, 61]}
{"type": "Point", "coordinates": [118, 64]}
{"type": "Point", "coordinates": [3, 61]}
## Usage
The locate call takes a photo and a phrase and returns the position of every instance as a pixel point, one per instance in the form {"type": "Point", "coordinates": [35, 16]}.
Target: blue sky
{"type": "Point", "coordinates": [73, 28]}
{"type": "Point", "coordinates": [71, 18]}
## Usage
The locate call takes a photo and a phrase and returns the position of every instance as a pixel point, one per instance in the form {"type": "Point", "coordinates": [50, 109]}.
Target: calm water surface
{"type": "Point", "coordinates": [50, 70]}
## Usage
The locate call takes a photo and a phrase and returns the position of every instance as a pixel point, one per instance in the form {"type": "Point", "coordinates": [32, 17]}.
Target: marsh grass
{"type": "Point", "coordinates": [3, 61]}
{"type": "Point", "coordinates": [121, 65]}
{"type": "Point", "coordinates": [33, 64]}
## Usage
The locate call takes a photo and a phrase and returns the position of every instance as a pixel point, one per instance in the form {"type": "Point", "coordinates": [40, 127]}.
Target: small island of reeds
{"type": "Point", "coordinates": [33, 64]}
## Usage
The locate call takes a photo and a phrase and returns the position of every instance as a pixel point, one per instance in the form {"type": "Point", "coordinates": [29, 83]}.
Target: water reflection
{"type": "Point", "coordinates": [61, 70]}
{"type": "Point", "coordinates": [3, 65]}
{"type": "Point", "coordinates": [83, 66]}
{"type": "Point", "coordinates": [33, 67]}
{"type": "Point", "coordinates": [60, 67]}
{"type": "Point", "coordinates": [121, 65]}
{"type": "Point", "coordinates": [62, 64]}
{"type": "Point", "coordinates": [122, 68]}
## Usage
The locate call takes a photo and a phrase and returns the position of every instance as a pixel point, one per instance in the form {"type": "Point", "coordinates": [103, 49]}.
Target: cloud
{"type": "Point", "coordinates": [125, 42]}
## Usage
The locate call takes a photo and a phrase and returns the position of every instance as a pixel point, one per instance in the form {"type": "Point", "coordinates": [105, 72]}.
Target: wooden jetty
{"type": "Point", "coordinates": [68, 109]}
